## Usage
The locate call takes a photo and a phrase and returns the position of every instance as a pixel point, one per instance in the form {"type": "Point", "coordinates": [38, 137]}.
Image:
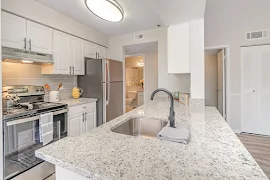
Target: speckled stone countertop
{"type": "Point", "coordinates": [214, 151]}
{"type": "Point", "coordinates": [75, 102]}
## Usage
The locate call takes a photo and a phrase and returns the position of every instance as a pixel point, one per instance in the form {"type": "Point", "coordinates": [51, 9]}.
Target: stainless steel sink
{"type": "Point", "coordinates": [140, 126]}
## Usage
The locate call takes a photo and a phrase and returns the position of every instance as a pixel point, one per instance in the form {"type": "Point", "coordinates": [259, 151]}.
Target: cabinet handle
{"type": "Point", "coordinates": [96, 55]}
{"type": "Point", "coordinates": [30, 44]}
{"type": "Point", "coordinates": [83, 117]}
{"type": "Point", "coordinates": [24, 43]}
{"type": "Point", "coordinates": [73, 69]}
{"type": "Point", "coordinates": [69, 69]}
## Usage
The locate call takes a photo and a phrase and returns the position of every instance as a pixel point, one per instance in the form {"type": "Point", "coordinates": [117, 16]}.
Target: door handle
{"type": "Point", "coordinates": [69, 69]}
{"type": "Point", "coordinates": [73, 69]}
{"type": "Point", "coordinates": [108, 82]}
{"type": "Point", "coordinates": [24, 43]}
{"type": "Point", "coordinates": [30, 44]}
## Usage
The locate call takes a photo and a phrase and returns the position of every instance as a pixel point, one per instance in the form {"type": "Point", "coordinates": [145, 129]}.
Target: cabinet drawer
{"type": "Point", "coordinates": [81, 108]}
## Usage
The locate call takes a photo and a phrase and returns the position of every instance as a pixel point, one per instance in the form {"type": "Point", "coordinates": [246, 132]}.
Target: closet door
{"type": "Point", "coordinates": [263, 92]}
{"type": "Point", "coordinates": [249, 56]}
{"type": "Point", "coordinates": [256, 90]}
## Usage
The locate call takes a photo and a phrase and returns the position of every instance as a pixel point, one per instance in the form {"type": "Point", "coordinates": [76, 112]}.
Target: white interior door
{"type": "Point", "coordinates": [255, 89]}
{"type": "Point", "coordinates": [221, 86]}
{"type": "Point", "coordinates": [263, 90]}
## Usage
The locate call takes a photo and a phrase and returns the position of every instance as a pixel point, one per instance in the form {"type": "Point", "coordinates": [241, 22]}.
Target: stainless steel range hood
{"type": "Point", "coordinates": [18, 56]}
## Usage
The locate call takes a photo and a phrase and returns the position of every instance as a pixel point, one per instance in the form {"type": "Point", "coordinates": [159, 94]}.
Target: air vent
{"type": "Point", "coordinates": [257, 35]}
{"type": "Point", "coordinates": [138, 36]}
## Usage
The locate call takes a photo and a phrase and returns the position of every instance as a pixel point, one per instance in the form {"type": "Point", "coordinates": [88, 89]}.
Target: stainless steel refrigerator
{"type": "Point", "coordinates": [103, 80]}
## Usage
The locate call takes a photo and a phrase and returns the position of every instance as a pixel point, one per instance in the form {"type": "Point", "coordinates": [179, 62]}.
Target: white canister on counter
{"type": "Point", "coordinates": [54, 96]}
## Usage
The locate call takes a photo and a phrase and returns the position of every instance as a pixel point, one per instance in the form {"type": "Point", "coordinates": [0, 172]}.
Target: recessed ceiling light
{"type": "Point", "coordinates": [108, 10]}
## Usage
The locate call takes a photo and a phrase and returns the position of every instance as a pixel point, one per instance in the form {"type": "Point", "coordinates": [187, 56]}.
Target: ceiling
{"type": "Point", "coordinates": [139, 14]}
{"type": "Point", "coordinates": [141, 48]}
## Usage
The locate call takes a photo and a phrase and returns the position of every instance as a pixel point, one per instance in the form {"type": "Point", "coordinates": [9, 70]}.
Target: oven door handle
{"type": "Point", "coordinates": [24, 120]}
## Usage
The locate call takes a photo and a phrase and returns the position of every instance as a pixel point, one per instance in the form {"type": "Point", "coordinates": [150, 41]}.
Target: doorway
{"type": "Point", "coordinates": [215, 79]}
{"type": "Point", "coordinates": [149, 62]}
{"type": "Point", "coordinates": [134, 65]}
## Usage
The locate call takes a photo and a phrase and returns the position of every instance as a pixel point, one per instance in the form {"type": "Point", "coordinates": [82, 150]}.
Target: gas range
{"type": "Point", "coordinates": [22, 131]}
{"type": "Point", "coordinates": [31, 96]}
{"type": "Point", "coordinates": [18, 112]}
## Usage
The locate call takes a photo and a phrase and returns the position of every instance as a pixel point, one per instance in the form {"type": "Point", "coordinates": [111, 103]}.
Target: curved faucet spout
{"type": "Point", "coordinates": [172, 113]}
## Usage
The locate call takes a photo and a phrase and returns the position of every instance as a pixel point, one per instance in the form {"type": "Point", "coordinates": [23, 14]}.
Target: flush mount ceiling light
{"type": "Point", "coordinates": [108, 10]}
{"type": "Point", "coordinates": [140, 63]}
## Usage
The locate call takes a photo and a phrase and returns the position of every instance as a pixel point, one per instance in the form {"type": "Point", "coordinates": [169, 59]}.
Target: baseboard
{"type": "Point", "coordinates": [236, 131]}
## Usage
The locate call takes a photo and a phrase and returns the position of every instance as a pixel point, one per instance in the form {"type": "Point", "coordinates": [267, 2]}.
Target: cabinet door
{"type": "Point", "coordinates": [61, 53]}
{"type": "Point", "coordinates": [102, 52]}
{"type": "Point", "coordinates": [90, 120]}
{"type": "Point", "coordinates": [39, 38]}
{"type": "Point", "coordinates": [13, 31]}
{"type": "Point", "coordinates": [76, 126]}
{"type": "Point", "coordinates": [89, 50]}
{"type": "Point", "coordinates": [178, 48]}
{"type": "Point", "coordinates": [76, 56]}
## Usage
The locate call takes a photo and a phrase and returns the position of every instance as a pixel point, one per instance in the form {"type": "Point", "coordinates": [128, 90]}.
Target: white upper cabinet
{"type": "Point", "coordinates": [92, 50]}
{"type": "Point", "coordinates": [67, 54]}
{"type": "Point", "coordinates": [13, 31]}
{"type": "Point", "coordinates": [61, 53]}
{"type": "Point", "coordinates": [20, 33]}
{"type": "Point", "coordinates": [76, 56]}
{"type": "Point", "coordinates": [102, 52]}
{"type": "Point", "coordinates": [178, 48]}
{"type": "Point", "coordinates": [89, 50]}
{"type": "Point", "coordinates": [39, 38]}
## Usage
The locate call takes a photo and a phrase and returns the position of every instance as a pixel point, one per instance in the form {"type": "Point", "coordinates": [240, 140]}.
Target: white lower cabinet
{"type": "Point", "coordinates": [75, 125]}
{"type": "Point", "coordinates": [81, 119]}
{"type": "Point", "coordinates": [89, 122]}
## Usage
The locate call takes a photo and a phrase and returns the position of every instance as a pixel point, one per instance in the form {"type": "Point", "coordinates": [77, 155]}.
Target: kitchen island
{"type": "Point", "coordinates": [214, 151]}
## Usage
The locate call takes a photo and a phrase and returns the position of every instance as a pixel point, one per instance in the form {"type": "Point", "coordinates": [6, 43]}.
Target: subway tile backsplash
{"type": "Point", "coordinates": [30, 74]}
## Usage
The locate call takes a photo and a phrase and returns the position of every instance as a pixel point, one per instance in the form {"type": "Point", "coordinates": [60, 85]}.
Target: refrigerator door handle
{"type": "Point", "coordinates": [108, 82]}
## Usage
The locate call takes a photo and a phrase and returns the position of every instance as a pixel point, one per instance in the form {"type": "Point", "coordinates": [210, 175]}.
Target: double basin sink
{"type": "Point", "coordinates": [140, 126]}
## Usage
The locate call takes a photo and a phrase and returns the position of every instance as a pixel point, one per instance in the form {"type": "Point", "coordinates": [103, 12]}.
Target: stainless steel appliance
{"type": "Point", "coordinates": [21, 132]}
{"type": "Point", "coordinates": [18, 55]}
{"type": "Point", "coordinates": [104, 80]}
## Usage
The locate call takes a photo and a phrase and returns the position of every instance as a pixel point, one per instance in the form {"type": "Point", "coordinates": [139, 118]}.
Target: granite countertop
{"type": "Point", "coordinates": [214, 151]}
{"type": "Point", "coordinates": [74, 102]}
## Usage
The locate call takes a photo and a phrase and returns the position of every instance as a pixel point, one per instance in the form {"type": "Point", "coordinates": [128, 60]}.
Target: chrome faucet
{"type": "Point", "coordinates": [172, 113]}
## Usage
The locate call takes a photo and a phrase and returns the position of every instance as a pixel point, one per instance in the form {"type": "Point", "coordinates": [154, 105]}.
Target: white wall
{"type": "Point", "coordinates": [211, 80]}
{"type": "Point", "coordinates": [38, 12]}
{"type": "Point", "coordinates": [225, 24]}
{"type": "Point", "coordinates": [1, 124]}
{"type": "Point", "coordinates": [151, 74]}
{"type": "Point", "coordinates": [197, 59]}
{"type": "Point", "coordinates": [170, 81]}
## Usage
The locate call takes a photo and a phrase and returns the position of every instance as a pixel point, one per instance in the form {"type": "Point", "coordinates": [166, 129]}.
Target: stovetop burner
{"type": "Point", "coordinates": [38, 107]}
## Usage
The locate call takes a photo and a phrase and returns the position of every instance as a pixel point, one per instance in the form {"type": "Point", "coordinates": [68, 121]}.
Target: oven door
{"type": "Point", "coordinates": [21, 140]}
